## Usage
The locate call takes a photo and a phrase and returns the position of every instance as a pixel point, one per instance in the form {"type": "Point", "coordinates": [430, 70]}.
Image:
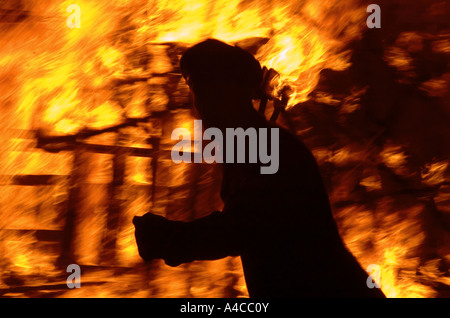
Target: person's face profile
{"type": "Point", "coordinates": [192, 96]}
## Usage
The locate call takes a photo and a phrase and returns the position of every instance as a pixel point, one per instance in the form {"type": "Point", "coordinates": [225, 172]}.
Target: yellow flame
{"type": "Point", "coordinates": [63, 80]}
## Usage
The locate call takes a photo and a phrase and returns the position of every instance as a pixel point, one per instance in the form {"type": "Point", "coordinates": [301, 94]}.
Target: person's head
{"type": "Point", "coordinates": [222, 78]}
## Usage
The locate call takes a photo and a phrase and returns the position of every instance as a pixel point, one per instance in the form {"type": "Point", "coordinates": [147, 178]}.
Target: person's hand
{"type": "Point", "coordinates": [152, 233]}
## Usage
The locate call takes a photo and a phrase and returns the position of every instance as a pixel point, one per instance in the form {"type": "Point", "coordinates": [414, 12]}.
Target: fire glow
{"type": "Point", "coordinates": [60, 87]}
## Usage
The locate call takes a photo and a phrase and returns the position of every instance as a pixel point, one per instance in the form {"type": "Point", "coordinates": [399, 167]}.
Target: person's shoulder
{"type": "Point", "coordinates": [292, 143]}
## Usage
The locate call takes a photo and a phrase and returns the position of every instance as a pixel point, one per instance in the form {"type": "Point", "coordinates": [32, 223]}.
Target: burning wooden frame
{"type": "Point", "coordinates": [69, 192]}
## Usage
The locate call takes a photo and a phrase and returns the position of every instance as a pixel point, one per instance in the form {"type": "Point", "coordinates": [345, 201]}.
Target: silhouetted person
{"type": "Point", "coordinates": [280, 224]}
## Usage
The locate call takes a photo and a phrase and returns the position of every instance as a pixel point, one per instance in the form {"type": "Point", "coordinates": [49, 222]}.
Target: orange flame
{"type": "Point", "coordinates": [61, 80]}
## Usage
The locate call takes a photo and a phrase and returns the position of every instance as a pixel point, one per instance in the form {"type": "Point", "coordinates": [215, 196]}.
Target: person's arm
{"type": "Point", "coordinates": [215, 236]}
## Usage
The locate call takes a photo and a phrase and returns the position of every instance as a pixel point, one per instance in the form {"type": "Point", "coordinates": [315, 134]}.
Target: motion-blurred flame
{"type": "Point", "coordinates": [62, 81]}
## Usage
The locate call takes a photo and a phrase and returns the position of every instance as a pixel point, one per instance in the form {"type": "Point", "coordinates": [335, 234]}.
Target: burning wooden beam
{"type": "Point", "coordinates": [115, 204]}
{"type": "Point", "coordinates": [67, 247]}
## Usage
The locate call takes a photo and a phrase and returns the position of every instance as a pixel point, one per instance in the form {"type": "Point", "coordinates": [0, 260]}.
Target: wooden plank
{"type": "Point", "coordinates": [109, 241]}
{"type": "Point", "coordinates": [35, 180]}
{"type": "Point", "coordinates": [40, 235]}
{"type": "Point", "coordinates": [67, 252]}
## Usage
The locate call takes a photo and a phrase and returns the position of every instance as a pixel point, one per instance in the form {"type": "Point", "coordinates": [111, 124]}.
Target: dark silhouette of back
{"type": "Point", "coordinates": [280, 224]}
